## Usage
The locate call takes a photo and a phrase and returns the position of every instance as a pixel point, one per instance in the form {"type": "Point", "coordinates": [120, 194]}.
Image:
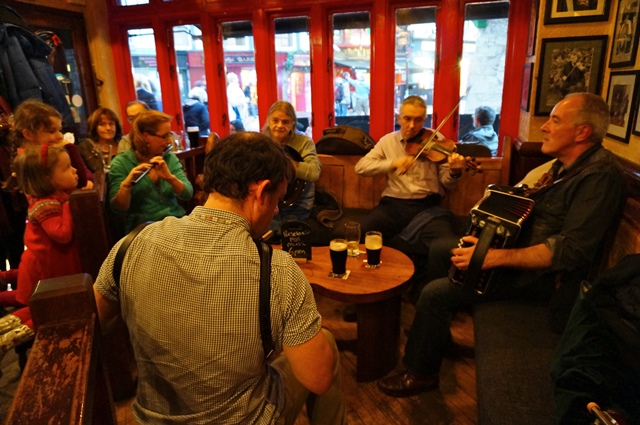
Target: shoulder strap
{"type": "Point", "coordinates": [122, 251]}
{"type": "Point", "coordinates": [533, 193]}
{"type": "Point", "coordinates": [264, 309]}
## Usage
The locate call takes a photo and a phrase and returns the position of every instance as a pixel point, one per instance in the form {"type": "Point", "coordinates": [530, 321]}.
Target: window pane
{"type": "Point", "coordinates": [482, 68]}
{"type": "Point", "coordinates": [142, 47]}
{"type": "Point", "coordinates": [293, 65]}
{"type": "Point", "coordinates": [187, 41]}
{"type": "Point", "coordinates": [242, 93]}
{"type": "Point", "coordinates": [351, 68]}
{"type": "Point", "coordinates": [415, 55]}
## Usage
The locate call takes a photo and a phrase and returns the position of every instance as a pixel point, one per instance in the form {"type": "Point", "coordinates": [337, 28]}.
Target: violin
{"type": "Point", "coordinates": [425, 145]}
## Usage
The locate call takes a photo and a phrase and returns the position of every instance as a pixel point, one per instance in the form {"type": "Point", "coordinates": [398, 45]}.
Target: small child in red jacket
{"type": "Point", "coordinates": [46, 176]}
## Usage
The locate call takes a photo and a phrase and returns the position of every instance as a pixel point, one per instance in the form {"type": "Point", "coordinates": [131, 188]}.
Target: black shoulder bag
{"type": "Point", "coordinates": [264, 309]}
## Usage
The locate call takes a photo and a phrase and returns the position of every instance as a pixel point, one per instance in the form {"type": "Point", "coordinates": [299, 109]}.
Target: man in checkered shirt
{"type": "Point", "coordinates": [189, 297]}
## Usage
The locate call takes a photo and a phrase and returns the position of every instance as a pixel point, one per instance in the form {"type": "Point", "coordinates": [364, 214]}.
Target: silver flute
{"type": "Point", "coordinates": [145, 172]}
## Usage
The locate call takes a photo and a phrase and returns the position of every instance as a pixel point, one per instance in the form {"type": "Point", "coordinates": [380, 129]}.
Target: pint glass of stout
{"type": "Point", "coordinates": [338, 253]}
{"type": "Point", "coordinates": [373, 243]}
{"type": "Point", "coordinates": [194, 137]}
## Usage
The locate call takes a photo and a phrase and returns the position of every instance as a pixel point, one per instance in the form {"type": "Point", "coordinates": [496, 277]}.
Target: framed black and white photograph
{"type": "Point", "coordinates": [625, 35]}
{"type": "Point", "coordinates": [621, 96]}
{"type": "Point", "coordinates": [570, 11]}
{"type": "Point", "coordinates": [525, 95]}
{"type": "Point", "coordinates": [569, 65]}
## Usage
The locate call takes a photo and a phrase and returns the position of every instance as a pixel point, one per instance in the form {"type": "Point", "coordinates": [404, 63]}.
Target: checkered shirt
{"type": "Point", "coordinates": [189, 296]}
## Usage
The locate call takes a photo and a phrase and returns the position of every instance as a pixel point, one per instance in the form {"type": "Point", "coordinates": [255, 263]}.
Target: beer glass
{"type": "Point", "coordinates": [194, 137]}
{"type": "Point", "coordinates": [179, 140]}
{"type": "Point", "coordinates": [352, 235]}
{"type": "Point", "coordinates": [338, 254]}
{"type": "Point", "coordinates": [373, 243]}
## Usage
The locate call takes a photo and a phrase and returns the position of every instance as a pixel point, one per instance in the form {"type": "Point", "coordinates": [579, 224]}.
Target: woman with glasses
{"type": "Point", "coordinates": [105, 133]}
{"type": "Point", "coordinates": [146, 182]}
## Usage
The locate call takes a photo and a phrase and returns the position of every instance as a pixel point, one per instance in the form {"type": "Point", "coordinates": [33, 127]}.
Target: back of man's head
{"type": "Point", "coordinates": [593, 111]}
{"type": "Point", "coordinates": [199, 94]}
{"type": "Point", "coordinates": [238, 125]}
{"type": "Point", "coordinates": [485, 115]}
{"type": "Point", "coordinates": [241, 159]}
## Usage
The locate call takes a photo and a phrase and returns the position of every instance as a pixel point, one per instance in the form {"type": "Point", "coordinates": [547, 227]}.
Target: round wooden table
{"type": "Point", "coordinates": [376, 293]}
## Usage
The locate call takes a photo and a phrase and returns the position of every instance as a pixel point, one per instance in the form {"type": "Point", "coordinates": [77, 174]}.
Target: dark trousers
{"type": "Point", "coordinates": [392, 215]}
{"type": "Point", "coordinates": [429, 336]}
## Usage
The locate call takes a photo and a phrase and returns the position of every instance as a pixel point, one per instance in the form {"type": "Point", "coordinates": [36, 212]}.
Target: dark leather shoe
{"type": "Point", "coordinates": [406, 384]}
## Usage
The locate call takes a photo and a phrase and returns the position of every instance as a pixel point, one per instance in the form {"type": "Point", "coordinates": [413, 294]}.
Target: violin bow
{"type": "Point", "coordinates": [430, 141]}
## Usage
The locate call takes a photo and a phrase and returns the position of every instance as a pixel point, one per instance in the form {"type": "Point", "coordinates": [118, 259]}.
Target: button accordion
{"type": "Point", "coordinates": [496, 221]}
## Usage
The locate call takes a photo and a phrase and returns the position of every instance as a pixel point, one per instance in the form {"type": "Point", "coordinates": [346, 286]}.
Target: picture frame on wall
{"type": "Point", "coordinates": [569, 65]}
{"type": "Point", "coordinates": [571, 11]}
{"type": "Point", "coordinates": [533, 27]}
{"type": "Point", "coordinates": [625, 36]}
{"type": "Point", "coordinates": [525, 95]}
{"type": "Point", "coordinates": [636, 128]}
{"type": "Point", "coordinates": [621, 98]}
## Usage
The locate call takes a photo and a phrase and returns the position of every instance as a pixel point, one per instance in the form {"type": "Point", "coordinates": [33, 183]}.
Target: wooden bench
{"type": "Point", "coordinates": [65, 380]}
{"type": "Point", "coordinates": [357, 192]}
{"type": "Point", "coordinates": [357, 195]}
{"type": "Point", "coordinates": [626, 239]}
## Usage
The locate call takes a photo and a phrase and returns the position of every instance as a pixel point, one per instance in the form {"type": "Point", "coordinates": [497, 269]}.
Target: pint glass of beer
{"type": "Point", "coordinates": [338, 253]}
{"type": "Point", "coordinates": [373, 243]}
{"type": "Point", "coordinates": [194, 137]}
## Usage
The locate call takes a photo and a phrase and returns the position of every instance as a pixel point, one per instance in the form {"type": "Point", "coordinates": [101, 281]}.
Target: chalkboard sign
{"type": "Point", "coordinates": [296, 239]}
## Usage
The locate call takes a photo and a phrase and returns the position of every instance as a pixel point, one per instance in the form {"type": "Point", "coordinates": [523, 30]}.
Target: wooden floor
{"type": "Point", "coordinates": [454, 403]}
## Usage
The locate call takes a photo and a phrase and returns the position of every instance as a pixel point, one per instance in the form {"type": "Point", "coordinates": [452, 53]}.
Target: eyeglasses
{"type": "Point", "coordinates": [168, 135]}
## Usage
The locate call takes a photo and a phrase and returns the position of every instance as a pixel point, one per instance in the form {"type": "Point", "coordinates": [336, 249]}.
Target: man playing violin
{"type": "Point", "coordinates": [557, 245]}
{"type": "Point", "coordinates": [410, 203]}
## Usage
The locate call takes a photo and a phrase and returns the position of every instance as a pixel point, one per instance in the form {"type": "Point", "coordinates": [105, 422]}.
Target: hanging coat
{"type": "Point", "coordinates": [26, 72]}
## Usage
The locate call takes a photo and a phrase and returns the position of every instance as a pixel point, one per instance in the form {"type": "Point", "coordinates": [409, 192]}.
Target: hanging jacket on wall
{"type": "Point", "coordinates": [25, 72]}
{"type": "Point", "coordinates": [598, 357]}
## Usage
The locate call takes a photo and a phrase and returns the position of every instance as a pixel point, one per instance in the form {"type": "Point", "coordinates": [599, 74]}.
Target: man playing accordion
{"type": "Point", "coordinates": [575, 207]}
